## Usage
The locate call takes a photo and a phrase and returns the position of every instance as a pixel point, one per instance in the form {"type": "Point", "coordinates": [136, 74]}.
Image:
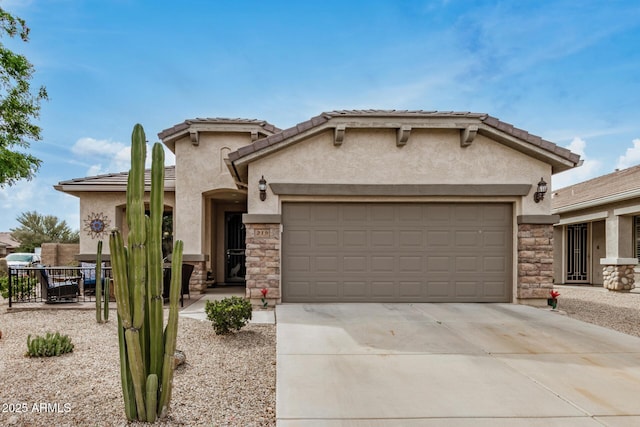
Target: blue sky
{"type": "Point", "coordinates": [568, 71]}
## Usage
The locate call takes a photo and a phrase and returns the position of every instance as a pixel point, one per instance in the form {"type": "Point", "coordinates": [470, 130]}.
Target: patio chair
{"type": "Point", "coordinates": [88, 273]}
{"type": "Point", "coordinates": [64, 290]}
{"type": "Point", "coordinates": [187, 270]}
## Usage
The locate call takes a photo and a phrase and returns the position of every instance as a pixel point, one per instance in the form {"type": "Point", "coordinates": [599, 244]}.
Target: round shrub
{"type": "Point", "coordinates": [229, 314]}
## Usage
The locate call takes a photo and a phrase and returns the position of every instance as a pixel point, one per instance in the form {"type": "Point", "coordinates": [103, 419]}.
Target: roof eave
{"type": "Point", "coordinates": [613, 198]}
{"type": "Point", "coordinates": [560, 159]}
{"type": "Point", "coordinates": [75, 189]}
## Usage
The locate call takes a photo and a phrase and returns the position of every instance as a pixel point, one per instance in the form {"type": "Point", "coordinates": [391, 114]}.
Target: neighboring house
{"type": "Point", "coordinates": [7, 244]}
{"type": "Point", "coordinates": [355, 206]}
{"type": "Point", "coordinates": [597, 240]}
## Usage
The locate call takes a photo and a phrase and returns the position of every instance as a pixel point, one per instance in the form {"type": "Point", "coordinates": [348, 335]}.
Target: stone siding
{"type": "Point", "coordinates": [535, 261]}
{"type": "Point", "coordinates": [197, 281]}
{"type": "Point", "coordinates": [619, 277]}
{"type": "Point", "coordinates": [263, 263]}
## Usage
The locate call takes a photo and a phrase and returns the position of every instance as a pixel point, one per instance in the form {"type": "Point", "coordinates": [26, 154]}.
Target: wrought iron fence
{"type": "Point", "coordinates": [70, 284]}
{"type": "Point", "coordinates": [54, 284]}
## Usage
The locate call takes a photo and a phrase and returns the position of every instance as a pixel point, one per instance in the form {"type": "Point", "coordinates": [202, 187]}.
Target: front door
{"type": "Point", "coordinates": [235, 245]}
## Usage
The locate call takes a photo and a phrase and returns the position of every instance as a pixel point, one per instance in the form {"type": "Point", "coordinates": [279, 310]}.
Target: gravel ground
{"type": "Point", "coordinates": [613, 310]}
{"type": "Point", "coordinates": [226, 380]}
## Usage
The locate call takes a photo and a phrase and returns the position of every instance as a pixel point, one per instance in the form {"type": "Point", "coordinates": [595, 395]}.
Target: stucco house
{"type": "Point", "coordinates": [355, 206]}
{"type": "Point", "coordinates": [597, 240]}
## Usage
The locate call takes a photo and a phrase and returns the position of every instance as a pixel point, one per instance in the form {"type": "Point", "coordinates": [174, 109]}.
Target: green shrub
{"type": "Point", "coordinates": [49, 345]}
{"type": "Point", "coordinates": [4, 286]}
{"type": "Point", "coordinates": [229, 314]}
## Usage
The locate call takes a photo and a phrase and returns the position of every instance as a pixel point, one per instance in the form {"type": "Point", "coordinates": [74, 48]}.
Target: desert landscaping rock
{"type": "Point", "coordinates": [225, 381]}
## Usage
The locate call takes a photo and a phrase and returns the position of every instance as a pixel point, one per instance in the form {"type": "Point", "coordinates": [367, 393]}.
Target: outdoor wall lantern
{"type": "Point", "coordinates": [262, 186]}
{"type": "Point", "coordinates": [538, 196]}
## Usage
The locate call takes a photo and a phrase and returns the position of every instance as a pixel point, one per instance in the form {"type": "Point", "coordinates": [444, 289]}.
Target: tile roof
{"type": "Point", "coordinates": [482, 117]}
{"type": "Point", "coordinates": [180, 127]}
{"type": "Point", "coordinates": [5, 239]}
{"type": "Point", "coordinates": [114, 181]}
{"type": "Point", "coordinates": [601, 188]}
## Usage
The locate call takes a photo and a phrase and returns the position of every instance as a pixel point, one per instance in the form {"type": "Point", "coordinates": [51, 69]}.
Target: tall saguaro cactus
{"type": "Point", "coordinates": [146, 351]}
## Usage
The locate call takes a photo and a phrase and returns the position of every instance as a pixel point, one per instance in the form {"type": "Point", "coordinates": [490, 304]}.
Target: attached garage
{"type": "Point", "coordinates": [399, 206]}
{"type": "Point", "coordinates": [397, 252]}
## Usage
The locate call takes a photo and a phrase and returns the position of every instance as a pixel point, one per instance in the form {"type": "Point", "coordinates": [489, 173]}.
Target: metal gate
{"type": "Point", "coordinates": [577, 265]}
{"type": "Point", "coordinates": [234, 248]}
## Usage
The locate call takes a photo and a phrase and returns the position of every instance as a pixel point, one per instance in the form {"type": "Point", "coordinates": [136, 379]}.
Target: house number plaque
{"type": "Point", "coordinates": [262, 233]}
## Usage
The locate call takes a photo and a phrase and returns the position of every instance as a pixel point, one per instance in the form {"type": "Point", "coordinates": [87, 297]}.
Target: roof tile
{"type": "Point", "coordinates": [617, 182]}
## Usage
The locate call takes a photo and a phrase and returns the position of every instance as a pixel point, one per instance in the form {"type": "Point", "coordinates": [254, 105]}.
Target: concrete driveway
{"type": "Point", "coordinates": [451, 365]}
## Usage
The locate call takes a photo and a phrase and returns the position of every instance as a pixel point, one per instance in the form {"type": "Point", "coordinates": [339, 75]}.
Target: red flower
{"type": "Point", "coordinates": [554, 294]}
{"type": "Point", "coordinates": [264, 292]}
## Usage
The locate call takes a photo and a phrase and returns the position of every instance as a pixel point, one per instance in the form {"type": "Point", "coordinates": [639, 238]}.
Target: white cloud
{"type": "Point", "coordinates": [36, 196]}
{"type": "Point", "coordinates": [113, 156]}
{"type": "Point", "coordinates": [590, 167]}
{"type": "Point", "coordinates": [631, 157]}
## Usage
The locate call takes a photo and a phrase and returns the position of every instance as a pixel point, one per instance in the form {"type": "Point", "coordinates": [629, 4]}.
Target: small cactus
{"type": "Point", "coordinates": [99, 283]}
{"type": "Point", "coordinates": [49, 345]}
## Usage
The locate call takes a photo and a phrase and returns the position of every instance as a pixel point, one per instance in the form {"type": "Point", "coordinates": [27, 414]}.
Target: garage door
{"type": "Point", "coordinates": [394, 252]}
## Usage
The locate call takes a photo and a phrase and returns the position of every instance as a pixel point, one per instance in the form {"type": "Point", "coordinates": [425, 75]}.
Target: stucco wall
{"type": "Point", "coordinates": [111, 205]}
{"type": "Point", "coordinates": [611, 234]}
{"type": "Point", "coordinates": [372, 157]}
{"type": "Point", "coordinates": [200, 169]}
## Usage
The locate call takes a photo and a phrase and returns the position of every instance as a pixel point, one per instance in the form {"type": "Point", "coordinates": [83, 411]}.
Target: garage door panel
{"type": "Point", "coordinates": [383, 213]}
{"type": "Point", "coordinates": [439, 238]}
{"type": "Point", "coordinates": [326, 213]}
{"type": "Point", "coordinates": [327, 289]}
{"type": "Point", "coordinates": [327, 239]}
{"type": "Point", "coordinates": [354, 213]}
{"type": "Point", "coordinates": [411, 239]}
{"type": "Point", "coordinates": [467, 238]}
{"type": "Point", "coordinates": [382, 239]}
{"type": "Point", "coordinates": [493, 238]}
{"type": "Point", "coordinates": [382, 288]}
{"type": "Point", "coordinates": [299, 289]}
{"type": "Point", "coordinates": [410, 289]}
{"type": "Point", "coordinates": [438, 213]}
{"type": "Point", "coordinates": [438, 289]}
{"type": "Point", "coordinates": [357, 289]}
{"type": "Point", "coordinates": [299, 238]}
{"type": "Point", "coordinates": [354, 239]}
{"type": "Point", "coordinates": [494, 289]}
{"type": "Point", "coordinates": [387, 252]}
{"type": "Point", "coordinates": [327, 264]}
{"type": "Point", "coordinates": [300, 264]}
{"type": "Point", "coordinates": [494, 264]}
{"type": "Point", "coordinates": [410, 264]}
{"type": "Point", "coordinates": [468, 289]}
{"type": "Point", "coordinates": [357, 264]}
{"type": "Point", "coordinates": [383, 264]}
{"type": "Point", "coordinates": [466, 264]}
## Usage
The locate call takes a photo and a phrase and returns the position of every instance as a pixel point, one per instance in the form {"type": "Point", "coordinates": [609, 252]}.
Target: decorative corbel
{"type": "Point", "coordinates": [403, 135]}
{"type": "Point", "coordinates": [467, 135]}
{"type": "Point", "coordinates": [195, 137]}
{"type": "Point", "coordinates": [254, 135]}
{"type": "Point", "coordinates": [339, 135]}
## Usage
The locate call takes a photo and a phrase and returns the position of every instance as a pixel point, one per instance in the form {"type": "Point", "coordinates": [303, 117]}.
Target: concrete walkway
{"type": "Point", "coordinates": [451, 365]}
{"type": "Point", "coordinates": [194, 308]}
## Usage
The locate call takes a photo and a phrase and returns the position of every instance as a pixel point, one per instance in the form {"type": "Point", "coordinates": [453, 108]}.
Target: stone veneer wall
{"type": "Point", "coordinates": [198, 277]}
{"type": "Point", "coordinates": [619, 277]}
{"type": "Point", "coordinates": [535, 261]}
{"type": "Point", "coordinates": [263, 263]}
